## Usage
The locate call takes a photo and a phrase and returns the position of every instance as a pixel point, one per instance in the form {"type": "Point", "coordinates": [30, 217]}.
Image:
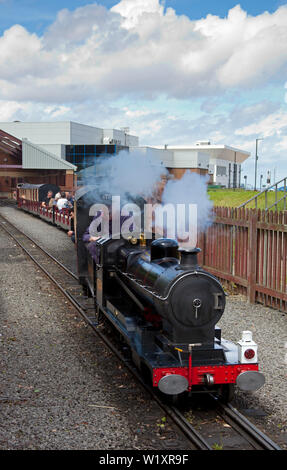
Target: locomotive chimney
{"type": "Point", "coordinates": [163, 248]}
{"type": "Point", "coordinates": [188, 258]}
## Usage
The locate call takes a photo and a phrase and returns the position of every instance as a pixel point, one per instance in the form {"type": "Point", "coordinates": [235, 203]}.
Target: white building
{"type": "Point", "coordinates": [221, 162]}
{"type": "Point", "coordinates": [56, 136]}
{"type": "Point", "coordinates": [80, 144]}
{"type": "Point", "coordinates": [164, 157]}
{"type": "Point", "coordinates": [119, 137]}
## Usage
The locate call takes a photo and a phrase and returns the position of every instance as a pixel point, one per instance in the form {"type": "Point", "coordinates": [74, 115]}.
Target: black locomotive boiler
{"type": "Point", "coordinates": [166, 307]}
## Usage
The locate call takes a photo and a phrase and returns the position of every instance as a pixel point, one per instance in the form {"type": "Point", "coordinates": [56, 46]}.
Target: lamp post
{"type": "Point", "coordinates": [256, 158]}
{"type": "Point", "coordinates": [261, 177]}
{"type": "Point", "coordinates": [268, 180]}
{"type": "Point", "coordinates": [234, 173]}
{"type": "Point", "coordinates": [245, 177]}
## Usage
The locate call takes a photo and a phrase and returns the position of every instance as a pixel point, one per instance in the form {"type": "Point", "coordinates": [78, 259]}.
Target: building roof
{"type": "Point", "coordinates": [221, 152]}
{"type": "Point", "coordinates": [36, 157]}
{"type": "Point", "coordinates": [10, 144]}
{"type": "Point", "coordinates": [62, 132]}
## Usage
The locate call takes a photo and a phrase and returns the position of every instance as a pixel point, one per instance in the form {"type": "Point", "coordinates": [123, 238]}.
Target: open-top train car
{"type": "Point", "coordinates": [30, 198]}
{"type": "Point", "coordinates": [166, 308]}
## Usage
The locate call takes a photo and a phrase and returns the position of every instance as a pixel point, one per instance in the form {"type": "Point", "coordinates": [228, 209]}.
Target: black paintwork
{"type": "Point", "coordinates": [155, 300]}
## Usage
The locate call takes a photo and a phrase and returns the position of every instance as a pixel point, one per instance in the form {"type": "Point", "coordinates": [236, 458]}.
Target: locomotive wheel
{"type": "Point", "coordinates": [226, 393]}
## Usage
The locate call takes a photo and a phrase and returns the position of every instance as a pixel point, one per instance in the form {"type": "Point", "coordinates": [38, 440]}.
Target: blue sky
{"type": "Point", "coordinates": [140, 63]}
{"type": "Point", "coordinates": [36, 15]}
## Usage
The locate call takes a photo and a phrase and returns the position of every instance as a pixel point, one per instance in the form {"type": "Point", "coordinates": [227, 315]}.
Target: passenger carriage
{"type": "Point", "coordinates": [30, 198]}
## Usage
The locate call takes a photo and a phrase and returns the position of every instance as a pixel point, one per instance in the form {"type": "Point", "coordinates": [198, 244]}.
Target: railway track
{"type": "Point", "coordinates": [225, 428]}
{"type": "Point", "coordinates": [257, 439]}
{"type": "Point", "coordinates": [67, 282]}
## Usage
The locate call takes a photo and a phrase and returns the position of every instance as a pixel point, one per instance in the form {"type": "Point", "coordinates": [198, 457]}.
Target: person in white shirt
{"type": "Point", "coordinates": [62, 202]}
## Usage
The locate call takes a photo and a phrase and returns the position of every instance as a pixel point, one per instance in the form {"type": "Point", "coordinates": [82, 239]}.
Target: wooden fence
{"type": "Point", "coordinates": [248, 248]}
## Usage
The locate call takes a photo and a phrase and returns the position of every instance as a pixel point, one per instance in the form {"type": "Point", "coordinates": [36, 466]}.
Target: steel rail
{"type": "Point", "coordinates": [40, 247]}
{"type": "Point", "coordinates": [248, 430]}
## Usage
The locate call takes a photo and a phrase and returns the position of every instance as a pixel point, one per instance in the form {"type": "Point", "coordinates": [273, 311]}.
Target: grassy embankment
{"type": "Point", "coordinates": [233, 198]}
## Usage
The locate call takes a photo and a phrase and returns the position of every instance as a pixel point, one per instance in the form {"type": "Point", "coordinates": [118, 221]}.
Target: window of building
{"type": "Point", "coordinates": [220, 170]}
{"type": "Point", "coordinates": [84, 156]}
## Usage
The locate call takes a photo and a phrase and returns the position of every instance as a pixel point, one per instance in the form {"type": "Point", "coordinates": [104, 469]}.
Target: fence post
{"type": "Point", "coordinates": [252, 256]}
{"type": "Point", "coordinates": [201, 245]}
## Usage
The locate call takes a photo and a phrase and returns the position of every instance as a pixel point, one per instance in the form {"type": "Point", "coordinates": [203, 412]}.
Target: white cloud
{"type": "Point", "coordinates": [135, 49]}
{"type": "Point", "coordinates": [10, 109]}
{"type": "Point", "coordinates": [271, 125]}
{"type": "Point", "coordinates": [22, 54]}
{"type": "Point", "coordinates": [136, 11]}
{"type": "Point", "coordinates": [282, 144]}
{"type": "Point", "coordinates": [135, 113]}
{"type": "Point", "coordinates": [91, 59]}
{"type": "Point", "coordinates": [57, 111]}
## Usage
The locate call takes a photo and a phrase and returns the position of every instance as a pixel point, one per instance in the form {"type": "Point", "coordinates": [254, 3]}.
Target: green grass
{"type": "Point", "coordinates": [233, 198]}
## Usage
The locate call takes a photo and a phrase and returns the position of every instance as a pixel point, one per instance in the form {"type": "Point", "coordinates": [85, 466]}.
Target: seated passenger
{"type": "Point", "coordinates": [62, 202]}
{"type": "Point", "coordinates": [56, 198]}
{"type": "Point", "coordinates": [70, 199]}
{"type": "Point", "coordinates": [71, 233]}
{"type": "Point", "coordinates": [46, 201]}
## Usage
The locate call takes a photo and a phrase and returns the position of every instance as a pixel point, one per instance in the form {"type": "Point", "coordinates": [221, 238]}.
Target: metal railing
{"type": "Point", "coordinates": [278, 193]}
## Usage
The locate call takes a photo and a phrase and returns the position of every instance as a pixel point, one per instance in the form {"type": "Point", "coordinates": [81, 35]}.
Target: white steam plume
{"type": "Point", "coordinates": [127, 173]}
{"type": "Point", "coordinates": [190, 189]}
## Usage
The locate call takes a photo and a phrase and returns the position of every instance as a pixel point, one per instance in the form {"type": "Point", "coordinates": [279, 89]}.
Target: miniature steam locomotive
{"type": "Point", "coordinates": [166, 307]}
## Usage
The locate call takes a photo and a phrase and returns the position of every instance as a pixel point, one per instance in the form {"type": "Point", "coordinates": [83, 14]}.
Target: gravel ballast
{"type": "Point", "coordinates": [57, 377]}
{"type": "Point", "coordinates": [269, 332]}
{"type": "Point", "coordinates": [55, 241]}
{"type": "Point", "coordinates": [60, 388]}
